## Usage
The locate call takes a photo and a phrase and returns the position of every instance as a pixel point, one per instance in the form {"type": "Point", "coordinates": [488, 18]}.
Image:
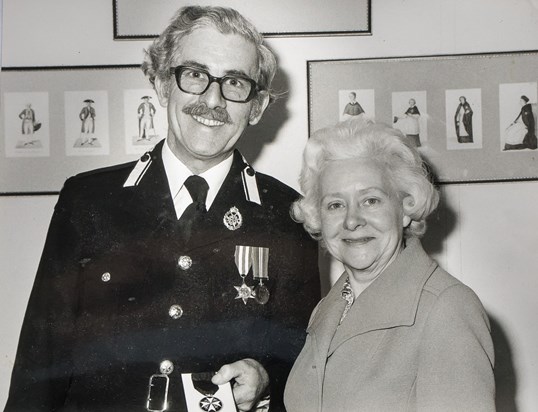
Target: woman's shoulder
{"type": "Point", "coordinates": [450, 291]}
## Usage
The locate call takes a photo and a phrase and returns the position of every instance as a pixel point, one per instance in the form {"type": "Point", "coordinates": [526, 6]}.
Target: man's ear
{"type": "Point", "coordinates": [259, 104]}
{"type": "Point", "coordinates": [161, 88]}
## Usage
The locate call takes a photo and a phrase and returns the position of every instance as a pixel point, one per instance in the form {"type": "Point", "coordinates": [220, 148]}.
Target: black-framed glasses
{"type": "Point", "coordinates": [235, 88]}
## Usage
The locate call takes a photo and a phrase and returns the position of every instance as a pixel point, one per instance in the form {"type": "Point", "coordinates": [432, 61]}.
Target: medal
{"type": "Point", "coordinates": [243, 261]}
{"type": "Point", "coordinates": [260, 263]}
{"type": "Point", "coordinates": [232, 219]}
{"type": "Point", "coordinates": [210, 403]}
{"type": "Point", "coordinates": [202, 383]}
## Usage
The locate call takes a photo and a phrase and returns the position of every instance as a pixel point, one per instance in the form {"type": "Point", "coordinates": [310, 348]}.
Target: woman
{"type": "Point", "coordinates": [521, 132]}
{"type": "Point", "coordinates": [463, 121]}
{"type": "Point", "coordinates": [395, 332]}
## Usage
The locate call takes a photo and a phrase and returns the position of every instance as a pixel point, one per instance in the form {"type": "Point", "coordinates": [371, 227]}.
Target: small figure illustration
{"type": "Point", "coordinates": [463, 121]}
{"type": "Point", "coordinates": [87, 116]}
{"type": "Point", "coordinates": [353, 108]}
{"type": "Point", "coordinates": [521, 134]}
{"type": "Point", "coordinates": [29, 125]}
{"type": "Point", "coordinates": [146, 111]}
{"type": "Point", "coordinates": [408, 122]}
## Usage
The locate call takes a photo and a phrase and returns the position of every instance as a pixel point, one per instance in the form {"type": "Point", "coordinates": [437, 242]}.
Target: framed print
{"type": "Point", "coordinates": [60, 121]}
{"type": "Point", "coordinates": [139, 19]}
{"type": "Point", "coordinates": [473, 117]}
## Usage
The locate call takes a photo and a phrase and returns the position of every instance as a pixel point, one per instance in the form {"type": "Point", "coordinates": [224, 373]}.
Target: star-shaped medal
{"type": "Point", "coordinates": [244, 292]}
{"type": "Point", "coordinates": [210, 404]}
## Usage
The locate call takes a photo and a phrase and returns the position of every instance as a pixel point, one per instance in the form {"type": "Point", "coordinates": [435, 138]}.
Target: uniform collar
{"type": "Point", "coordinates": [177, 172]}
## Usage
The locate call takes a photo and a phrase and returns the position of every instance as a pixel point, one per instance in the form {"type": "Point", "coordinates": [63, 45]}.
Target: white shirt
{"type": "Point", "coordinates": [177, 173]}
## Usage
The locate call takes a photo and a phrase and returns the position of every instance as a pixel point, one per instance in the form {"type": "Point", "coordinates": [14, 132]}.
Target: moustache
{"type": "Point", "coordinates": [200, 109]}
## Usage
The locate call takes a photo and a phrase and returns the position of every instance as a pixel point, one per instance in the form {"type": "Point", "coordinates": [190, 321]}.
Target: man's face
{"type": "Point", "coordinates": [203, 129]}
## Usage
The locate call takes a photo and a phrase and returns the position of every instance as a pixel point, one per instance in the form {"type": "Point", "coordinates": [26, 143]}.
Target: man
{"type": "Point", "coordinates": [28, 119]}
{"type": "Point", "coordinates": [87, 127]}
{"type": "Point", "coordinates": [146, 111]}
{"type": "Point", "coordinates": [146, 273]}
{"type": "Point", "coordinates": [29, 125]}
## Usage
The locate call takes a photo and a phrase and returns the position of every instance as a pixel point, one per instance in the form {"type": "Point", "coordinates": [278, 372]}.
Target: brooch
{"type": "Point", "coordinates": [233, 219]}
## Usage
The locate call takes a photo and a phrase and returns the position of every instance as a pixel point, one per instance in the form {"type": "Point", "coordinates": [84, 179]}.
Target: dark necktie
{"type": "Point", "coordinates": [197, 187]}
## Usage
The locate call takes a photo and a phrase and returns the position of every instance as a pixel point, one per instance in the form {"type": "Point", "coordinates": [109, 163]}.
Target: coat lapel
{"type": "Point", "coordinates": [392, 299]}
{"type": "Point", "coordinates": [324, 324]}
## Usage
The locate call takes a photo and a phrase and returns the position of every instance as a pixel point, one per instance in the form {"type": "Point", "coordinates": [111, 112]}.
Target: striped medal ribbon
{"type": "Point", "coordinates": [260, 270]}
{"type": "Point", "coordinates": [243, 261]}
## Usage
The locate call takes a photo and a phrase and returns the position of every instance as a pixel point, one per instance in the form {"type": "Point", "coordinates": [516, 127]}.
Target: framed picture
{"type": "Point", "coordinates": [139, 19]}
{"type": "Point", "coordinates": [473, 117]}
{"type": "Point", "coordinates": [59, 121]}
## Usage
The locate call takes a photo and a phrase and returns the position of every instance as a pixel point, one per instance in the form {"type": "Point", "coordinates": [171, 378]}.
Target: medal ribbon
{"type": "Point", "coordinates": [202, 383]}
{"type": "Point", "coordinates": [260, 264]}
{"type": "Point", "coordinates": [243, 259]}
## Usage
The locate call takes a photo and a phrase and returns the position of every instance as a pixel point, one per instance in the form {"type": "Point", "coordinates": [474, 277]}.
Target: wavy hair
{"type": "Point", "coordinates": [160, 55]}
{"type": "Point", "coordinates": [357, 138]}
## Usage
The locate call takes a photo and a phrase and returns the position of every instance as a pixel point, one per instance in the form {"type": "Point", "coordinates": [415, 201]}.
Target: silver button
{"type": "Point", "coordinates": [184, 262]}
{"type": "Point", "coordinates": [175, 312]}
{"type": "Point", "coordinates": [105, 277]}
{"type": "Point", "coordinates": [166, 367]}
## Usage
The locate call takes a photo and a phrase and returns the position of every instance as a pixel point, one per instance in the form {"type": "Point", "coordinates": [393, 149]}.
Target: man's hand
{"type": "Point", "coordinates": [250, 381]}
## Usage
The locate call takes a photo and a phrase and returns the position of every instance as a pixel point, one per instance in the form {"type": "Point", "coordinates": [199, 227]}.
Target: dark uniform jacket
{"type": "Point", "coordinates": [97, 324]}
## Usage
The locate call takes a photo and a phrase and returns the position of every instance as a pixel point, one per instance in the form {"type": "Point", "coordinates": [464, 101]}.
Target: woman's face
{"type": "Point", "coordinates": [462, 100]}
{"type": "Point", "coordinates": [362, 216]}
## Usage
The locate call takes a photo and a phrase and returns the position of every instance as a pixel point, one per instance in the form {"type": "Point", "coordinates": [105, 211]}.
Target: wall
{"type": "Point", "coordinates": [485, 234]}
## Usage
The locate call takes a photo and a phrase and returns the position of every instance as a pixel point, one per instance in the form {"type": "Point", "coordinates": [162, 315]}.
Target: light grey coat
{"type": "Point", "coordinates": [415, 339]}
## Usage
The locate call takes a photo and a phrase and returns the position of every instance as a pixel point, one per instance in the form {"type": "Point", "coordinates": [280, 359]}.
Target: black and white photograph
{"type": "Point", "coordinates": [463, 119]}
{"type": "Point", "coordinates": [283, 206]}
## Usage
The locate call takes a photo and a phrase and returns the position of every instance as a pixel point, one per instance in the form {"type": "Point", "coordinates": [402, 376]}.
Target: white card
{"type": "Point", "coordinates": [222, 400]}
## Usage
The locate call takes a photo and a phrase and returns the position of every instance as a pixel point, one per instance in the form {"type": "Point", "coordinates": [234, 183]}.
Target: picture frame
{"type": "Point", "coordinates": [143, 19]}
{"type": "Point", "coordinates": [56, 122]}
{"type": "Point", "coordinates": [467, 108]}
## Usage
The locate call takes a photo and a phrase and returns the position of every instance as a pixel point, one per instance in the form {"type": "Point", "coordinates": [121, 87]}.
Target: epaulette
{"type": "Point", "coordinates": [250, 185]}
{"type": "Point", "coordinates": [139, 170]}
